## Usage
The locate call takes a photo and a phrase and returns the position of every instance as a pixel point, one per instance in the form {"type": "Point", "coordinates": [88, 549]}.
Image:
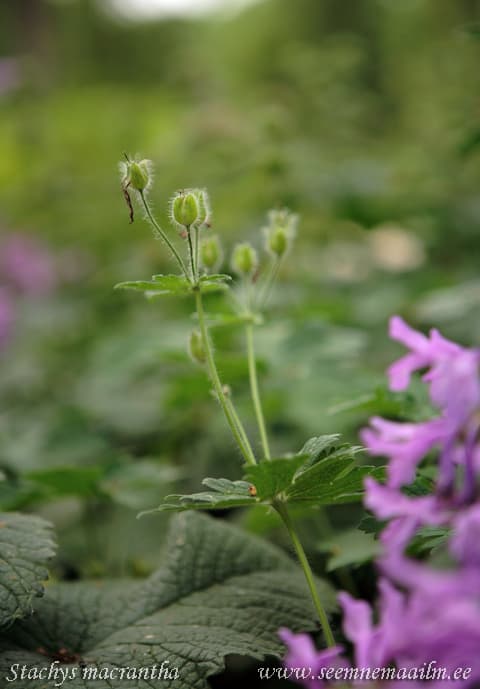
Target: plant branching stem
{"type": "Point", "coordinates": [257, 402]}
{"type": "Point", "coordinates": [162, 234]}
{"type": "Point", "coordinates": [230, 414]}
{"type": "Point", "coordinates": [282, 510]}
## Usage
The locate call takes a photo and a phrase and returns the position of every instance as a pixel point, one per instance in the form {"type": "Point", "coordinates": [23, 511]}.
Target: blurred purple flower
{"type": "Point", "coordinates": [454, 387]}
{"type": "Point", "coordinates": [302, 654]}
{"type": "Point", "coordinates": [425, 614]}
{"type": "Point", "coordinates": [27, 265]}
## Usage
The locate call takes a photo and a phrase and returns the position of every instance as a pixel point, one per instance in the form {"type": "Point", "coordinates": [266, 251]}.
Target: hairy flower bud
{"type": "Point", "coordinates": [139, 175]}
{"type": "Point", "coordinates": [196, 348]}
{"type": "Point", "coordinates": [204, 211]}
{"type": "Point", "coordinates": [280, 232]}
{"type": "Point", "coordinates": [184, 208]}
{"type": "Point", "coordinates": [136, 174]}
{"type": "Point", "coordinates": [244, 259]}
{"type": "Point", "coordinates": [211, 253]}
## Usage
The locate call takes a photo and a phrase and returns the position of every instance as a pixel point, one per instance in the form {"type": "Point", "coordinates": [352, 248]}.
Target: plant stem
{"type": "Point", "coordinates": [268, 284]}
{"type": "Point", "coordinates": [281, 508]}
{"type": "Point", "coordinates": [162, 234]}
{"type": "Point", "coordinates": [197, 249]}
{"type": "Point", "coordinates": [257, 402]}
{"type": "Point", "coordinates": [238, 423]}
{"type": "Point", "coordinates": [192, 255]}
{"type": "Point", "coordinates": [228, 409]}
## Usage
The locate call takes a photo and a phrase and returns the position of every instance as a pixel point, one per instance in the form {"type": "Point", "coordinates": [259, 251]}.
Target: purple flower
{"type": "Point", "coordinates": [454, 385]}
{"type": "Point", "coordinates": [465, 542]}
{"type": "Point", "coordinates": [302, 654]}
{"type": "Point", "coordinates": [406, 444]}
{"type": "Point", "coordinates": [389, 503]}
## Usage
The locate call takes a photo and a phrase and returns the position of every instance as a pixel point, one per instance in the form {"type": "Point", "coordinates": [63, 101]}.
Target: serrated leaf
{"type": "Point", "coordinates": [177, 285]}
{"type": "Point", "coordinates": [273, 477]}
{"type": "Point", "coordinates": [330, 475]}
{"type": "Point", "coordinates": [26, 544]}
{"type": "Point", "coordinates": [216, 277]}
{"type": "Point", "coordinates": [222, 591]}
{"type": "Point", "coordinates": [224, 494]}
{"type": "Point", "coordinates": [159, 285]}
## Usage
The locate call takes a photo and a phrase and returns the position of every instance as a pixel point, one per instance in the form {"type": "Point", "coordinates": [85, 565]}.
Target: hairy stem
{"type": "Point", "coordinates": [162, 234]}
{"type": "Point", "coordinates": [281, 508]}
{"type": "Point", "coordinates": [257, 402]}
{"type": "Point", "coordinates": [228, 409]}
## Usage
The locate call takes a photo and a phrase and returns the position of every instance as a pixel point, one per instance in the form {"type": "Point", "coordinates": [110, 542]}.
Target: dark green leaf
{"type": "Point", "coordinates": [271, 478]}
{"type": "Point", "coordinates": [221, 592]}
{"type": "Point", "coordinates": [26, 544]}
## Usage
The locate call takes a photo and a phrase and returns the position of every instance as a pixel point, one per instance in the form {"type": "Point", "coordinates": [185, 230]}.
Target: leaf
{"type": "Point", "coordinates": [160, 285]}
{"type": "Point", "coordinates": [221, 592]}
{"type": "Point", "coordinates": [271, 478]}
{"type": "Point", "coordinates": [140, 483]}
{"type": "Point", "coordinates": [177, 285]}
{"type": "Point", "coordinates": [26, 544]}
{"type": "Point", "coordinates": [330, 475]}
{"type": "Point", "coordinates": [352, 547]}
{"type": "Point", "coordinates": [323, 473]}
{"type": "Point", "coordinates": [68, 480]}
{"type": "Point", "coordinates": [224, 494]}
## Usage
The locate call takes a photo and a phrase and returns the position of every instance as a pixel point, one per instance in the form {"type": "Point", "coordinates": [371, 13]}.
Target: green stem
{"type": "Point", "coordinates": [257, 402]}
{"type": "Point", "coordinates": [197, 249]}
{"type": "Point", "coordinates": [162, 234]}
{"type": "Point", "coordinates": [192, 255]}
{"type": "Point", "coordinates": [228, 409]}
{"type": "Point", "coordinates": [238, 423]}
{"type": "Point", "coordinates": [281, 508]}
{"type": "Point", "coordinates": [268, 284]}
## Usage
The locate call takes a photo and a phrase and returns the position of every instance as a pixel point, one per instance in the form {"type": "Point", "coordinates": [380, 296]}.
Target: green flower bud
{"type": "Point", "coordinates": [184, 209]}
{"type": "Point", "coordinates": [196, 348]}
{"type": "Point", "coordinates": [211, 253]}
{"type": "Point", "coordinates": [244, 259]}
{"type": "Point", "coordinates": [204, 212]}
{"type": "Point", "coordinates": [139, 174]}
{"type": "Point", "coordinates": [280, 232]}
{"type": "Point", "coordinates": [277, 241]}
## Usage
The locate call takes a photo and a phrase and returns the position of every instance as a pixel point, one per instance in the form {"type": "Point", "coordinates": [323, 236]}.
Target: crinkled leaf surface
{"type": "Point", "coordinates": [220, 592]}
{"type": "Point", "coordinates": [26, 544]}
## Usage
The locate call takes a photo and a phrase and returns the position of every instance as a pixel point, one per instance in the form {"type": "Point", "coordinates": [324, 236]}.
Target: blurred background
{"type": "Point", "coordinates": [362, 117]}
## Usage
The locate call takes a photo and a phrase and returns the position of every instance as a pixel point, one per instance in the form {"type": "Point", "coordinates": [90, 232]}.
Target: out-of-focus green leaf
{"type": "Point", "coordinates": [352, 547]}
{"type": "Point", "coordinates": [26, 544]}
